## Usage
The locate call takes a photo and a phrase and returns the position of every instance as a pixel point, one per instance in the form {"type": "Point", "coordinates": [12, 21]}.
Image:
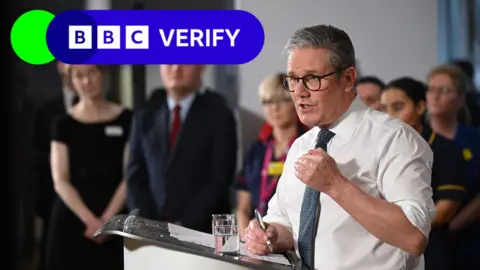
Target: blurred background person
{"type": "Point", "coordinates": [264, 161]}
{"type": "Point", "coordinates": [87, 157]}
{"type": "Point", "coordinates": [404, 98]}
{"type": "Point", "coordinates": [43, 119]}
{"type": "Point", "coordinates": [183, 152]}
{"type": "Point", "coordinates": [369, 88]}
{"type": "Point", "coordinates": [472, 96]}
{"type": "Point", "coordinates": [447, 88]}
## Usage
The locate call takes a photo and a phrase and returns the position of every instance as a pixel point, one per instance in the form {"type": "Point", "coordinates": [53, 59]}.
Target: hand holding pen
{"type": "Point", "coordinates": [260, 241]}
{"type": "Point", "coordinates": [264, 227]}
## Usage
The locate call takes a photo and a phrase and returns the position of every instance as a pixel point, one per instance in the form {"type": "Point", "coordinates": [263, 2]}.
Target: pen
{"type": "Point", "coordinates": [262, 224]}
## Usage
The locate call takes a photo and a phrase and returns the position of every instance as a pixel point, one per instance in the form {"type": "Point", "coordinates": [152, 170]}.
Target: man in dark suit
{"type": "Point", "coordinates": [183, 151]}
{"type": "Point", "coordinates": [43, 119]}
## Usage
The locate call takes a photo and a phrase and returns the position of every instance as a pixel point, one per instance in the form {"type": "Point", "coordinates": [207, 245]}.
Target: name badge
{"type": "Point", "coordinates": [275, 168]}
{"type": "Point", "coordinates": [113, 131]}
{"type": "Point", "coordinates": [467, 154]}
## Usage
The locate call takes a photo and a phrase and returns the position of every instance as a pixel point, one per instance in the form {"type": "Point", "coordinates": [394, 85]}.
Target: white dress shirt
{"type": "Point", "coordinates": [385, 158]}
{"type": "Point", "coordinates": [185, 104]}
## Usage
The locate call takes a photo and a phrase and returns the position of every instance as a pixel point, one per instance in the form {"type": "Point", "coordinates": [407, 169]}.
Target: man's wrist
{"type": "Point", "coordinates": [338, 190]}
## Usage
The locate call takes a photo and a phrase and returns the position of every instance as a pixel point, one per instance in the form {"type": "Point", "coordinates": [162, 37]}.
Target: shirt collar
{"type": "Point", "coordinates": [185, 102]}
{"type": "Point", "coordinates": [346, 125]}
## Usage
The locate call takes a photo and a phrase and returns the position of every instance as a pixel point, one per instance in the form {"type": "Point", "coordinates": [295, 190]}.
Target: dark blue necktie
{"type": "Point", "coordinates": [310, 211]}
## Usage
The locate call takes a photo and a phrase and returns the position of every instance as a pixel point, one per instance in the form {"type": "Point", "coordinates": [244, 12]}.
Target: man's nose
{"type": "Point", "coordinates": [300, 91]}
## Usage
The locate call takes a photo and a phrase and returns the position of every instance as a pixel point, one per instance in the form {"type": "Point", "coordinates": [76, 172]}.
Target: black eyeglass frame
{"type": "Point", "coordinates": [306, 78]}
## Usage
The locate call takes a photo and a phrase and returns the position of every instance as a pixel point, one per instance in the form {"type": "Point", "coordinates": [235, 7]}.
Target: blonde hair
{"type": "Point", "coordinates": [461, 83]}
{"type": "Point", "coordinates": [271, 87]}
{"type": "Point", "coordinates": [459, 78]}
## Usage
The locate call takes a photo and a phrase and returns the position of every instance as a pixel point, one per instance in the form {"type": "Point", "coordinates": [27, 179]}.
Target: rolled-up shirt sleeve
{"type": "Point", "coordinates": [277, 208]}
{"type": "Point", "coordinates": [405, 173]}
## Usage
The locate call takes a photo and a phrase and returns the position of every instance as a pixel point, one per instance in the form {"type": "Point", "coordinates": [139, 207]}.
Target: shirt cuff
{"type": "Point", "coordinates": [420, 215]}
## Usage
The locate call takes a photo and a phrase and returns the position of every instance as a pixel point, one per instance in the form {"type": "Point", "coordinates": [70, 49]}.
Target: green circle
{"type": "Point", "coordinates": [29, 37]}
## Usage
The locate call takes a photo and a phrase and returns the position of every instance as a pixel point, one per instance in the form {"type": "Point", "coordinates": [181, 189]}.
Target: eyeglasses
{"type": "Point", "coordinates": [440, 90]}
{"type": "Point", "coordinates": [88, 75]}
{"type": "Point", "coordinates": [311, 82]}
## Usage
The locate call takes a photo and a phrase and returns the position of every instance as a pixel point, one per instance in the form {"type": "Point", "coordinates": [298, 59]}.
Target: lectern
{"type": "Point", "coordinates": [152, 245]}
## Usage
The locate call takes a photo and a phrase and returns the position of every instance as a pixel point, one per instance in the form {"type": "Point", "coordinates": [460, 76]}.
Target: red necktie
{"type": "Point", "coordinates": [175, 125]}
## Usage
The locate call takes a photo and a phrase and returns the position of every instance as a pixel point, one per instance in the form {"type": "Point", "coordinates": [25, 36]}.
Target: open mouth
{"type": "Point", "coordinates": [304, 107]}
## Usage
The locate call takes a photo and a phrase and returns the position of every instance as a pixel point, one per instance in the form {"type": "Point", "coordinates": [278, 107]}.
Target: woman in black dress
{"type": "Point", "coordinates": [405, 98]}
{"type": "Point", "coordinates": [87, 157]}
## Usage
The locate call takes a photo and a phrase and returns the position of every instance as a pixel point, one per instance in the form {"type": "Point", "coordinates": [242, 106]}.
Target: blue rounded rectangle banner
{"type": "Point", "coordinates": [155, 37]}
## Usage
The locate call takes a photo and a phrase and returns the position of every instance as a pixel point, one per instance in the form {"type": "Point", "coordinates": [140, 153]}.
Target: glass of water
{"type": "Point", "coordinates": [227, 237]}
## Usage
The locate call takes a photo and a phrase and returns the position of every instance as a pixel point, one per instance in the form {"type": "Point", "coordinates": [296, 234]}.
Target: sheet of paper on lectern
{"type": "Point", "coordinates": [191, 236]}
{"type": "Point", "coordinates": [207, 240]}
{"type": "Point", "coordinates": [275, 258]}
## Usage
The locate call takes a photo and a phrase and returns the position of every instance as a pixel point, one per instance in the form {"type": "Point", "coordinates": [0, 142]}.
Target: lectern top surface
{"type": "Point", "coordinates": [161, 234]}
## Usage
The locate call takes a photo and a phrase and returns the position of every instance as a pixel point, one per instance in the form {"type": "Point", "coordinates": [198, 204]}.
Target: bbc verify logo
{"type": "Point", "coordinates": [108, 37]}
{"type": "Point", "coordinates": [214, 37]}
{"type": "Point", "coordinates": [137, 37]}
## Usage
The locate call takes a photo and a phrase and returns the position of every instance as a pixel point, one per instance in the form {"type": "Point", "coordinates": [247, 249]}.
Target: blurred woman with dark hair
{"type": "Point", "coordinates": [404, 98]}
{"type": "Point", "coordinates": [472, 103]}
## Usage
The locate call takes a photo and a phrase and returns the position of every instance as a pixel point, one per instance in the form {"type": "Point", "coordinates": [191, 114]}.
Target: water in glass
{"type": "Point", "coordinates": [227, 240]}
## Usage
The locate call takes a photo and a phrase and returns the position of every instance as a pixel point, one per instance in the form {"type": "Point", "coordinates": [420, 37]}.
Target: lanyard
{"type": "Point", "coordinates": [266, 188]}
{"type": "Point", "coordinates": [432, 137]}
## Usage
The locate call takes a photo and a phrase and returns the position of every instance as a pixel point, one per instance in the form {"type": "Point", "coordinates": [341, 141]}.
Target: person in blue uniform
{"type": "Point", "coordinates": [264, 160]}
{"type": "Point", "coordinates": [446, 96]}
{"type": "Point", "coordinates": [404, 98]}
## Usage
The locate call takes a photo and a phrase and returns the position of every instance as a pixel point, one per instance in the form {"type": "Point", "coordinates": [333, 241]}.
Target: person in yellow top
{"type": "Point", "coordinates": [263, 162]}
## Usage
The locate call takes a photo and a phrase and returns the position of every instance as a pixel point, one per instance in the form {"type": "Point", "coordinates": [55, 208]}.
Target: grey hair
{"type": "Point", "coordinates": [341, 53]}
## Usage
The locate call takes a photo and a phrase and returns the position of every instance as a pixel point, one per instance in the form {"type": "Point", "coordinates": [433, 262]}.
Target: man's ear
{"type": "Point", "coordinates": [350, 77]}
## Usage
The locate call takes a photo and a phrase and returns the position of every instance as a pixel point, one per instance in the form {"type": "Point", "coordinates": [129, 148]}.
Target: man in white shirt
{"type": "Point", "coordinates": [362, 199]}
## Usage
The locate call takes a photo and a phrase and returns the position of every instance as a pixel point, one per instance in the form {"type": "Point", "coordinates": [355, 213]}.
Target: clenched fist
{"type": "Point", "coordinates": [318, 170]}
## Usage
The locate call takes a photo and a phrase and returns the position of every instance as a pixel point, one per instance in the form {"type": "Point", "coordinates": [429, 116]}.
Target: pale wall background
{"type": "Point", "coordinates": [392, 38]}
